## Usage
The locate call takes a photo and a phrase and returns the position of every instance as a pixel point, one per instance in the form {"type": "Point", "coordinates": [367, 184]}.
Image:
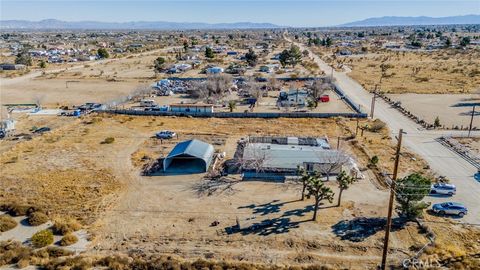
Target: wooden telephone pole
{"type": "Point", "coordinates": [374, 99]}
{"type": "Point", "coordinates": [390, 203]}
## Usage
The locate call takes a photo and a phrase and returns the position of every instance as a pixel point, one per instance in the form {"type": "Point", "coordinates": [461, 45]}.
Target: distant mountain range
{"type": "Point", "coordinates": [57, 24]}
{"type": "Point", "coordinates": [391, 21]}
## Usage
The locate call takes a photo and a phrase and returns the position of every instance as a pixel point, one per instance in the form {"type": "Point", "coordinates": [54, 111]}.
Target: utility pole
{"type": "Point", "coordinates": [471, 121]}
{"type": "Point", "coordinates": [338, 142]}
{"type": "Point", "coordinates": [390, 203]}
{"type": "Point", "coordinates": [372, 109]}
{"type": "Point", "coordinates": [356, 129]}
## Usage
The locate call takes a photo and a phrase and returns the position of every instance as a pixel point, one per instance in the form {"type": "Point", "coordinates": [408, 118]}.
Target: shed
{"type": "Point", "coordinates": [190, 156]}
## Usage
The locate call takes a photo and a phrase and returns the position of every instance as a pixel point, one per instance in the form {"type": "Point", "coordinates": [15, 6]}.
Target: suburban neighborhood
{"type": "Point", "coordinates": [167, 145]}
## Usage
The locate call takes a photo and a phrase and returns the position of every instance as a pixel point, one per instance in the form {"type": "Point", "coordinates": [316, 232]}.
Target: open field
{"type": "Point", "coordinates": [71, 173]}
{"type": "Point", "coordinates": [437, 72]}
{"type": "Point", "coordinates": [89, 82]}
{"type": "Point", "coordinates": [429, 106]}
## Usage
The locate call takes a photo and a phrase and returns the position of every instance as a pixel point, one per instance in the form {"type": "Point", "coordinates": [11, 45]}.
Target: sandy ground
{"type": "Point", "coordinates": [184, 226]}
{"type": "Point", "coordinates": [429, 106]}
{"type": "Point", "coordinates": [70, 173]}
{"type": "Point", "coordinates": [437, 72]}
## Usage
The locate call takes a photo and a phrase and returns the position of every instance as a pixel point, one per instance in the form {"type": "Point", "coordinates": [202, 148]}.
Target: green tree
{"type": "Point", "coordinates": [232, 105]}
{"type": "Point", "coordinates": [284, 58]}
{"type": "Point", "coordinates": [465, 41]}
{"type": "Point", "coordinates": [292, 57]}
{"type": "Point", "coordinates": [209, 53]}
{"type": "Point", "coordinates": [374, 161]}
{"type": "Point", "coordinates": [24, 58]}
{"type": "Point", "coordinates": [436, 123]}
{"type": "Point", "coordinates": [159, 64]}
{"type": "Point", "coordinates": [103, 53]}
{"type": "Point", "coordinates": [295, 55]}
{"type": "Point", "coordinates": [344, 181]}
{"type": "Point", "coordinates": [410, 192]}
{"type": "Point", "coordinates": [42, 64]}
{"type": "Point", "coordinates": [316, 188]}
{"type": "Point", "coordinates": [251, 58]}
{"type": "Point", "coordinates": [448, 42]}
{"type": "Point", "coordinates": [185, 45]}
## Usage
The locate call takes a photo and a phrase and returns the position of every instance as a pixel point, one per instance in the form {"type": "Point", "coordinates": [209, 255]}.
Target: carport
{"type": "Point", "coordinates": [190, 156]}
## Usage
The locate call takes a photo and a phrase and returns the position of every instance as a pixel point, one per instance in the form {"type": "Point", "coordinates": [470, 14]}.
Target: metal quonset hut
{"type": "Point", "coordinates": [189, 156]}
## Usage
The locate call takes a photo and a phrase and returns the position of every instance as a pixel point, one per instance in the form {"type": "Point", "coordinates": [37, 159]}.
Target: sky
{"type": "Point", "coordinates": [287, 12]}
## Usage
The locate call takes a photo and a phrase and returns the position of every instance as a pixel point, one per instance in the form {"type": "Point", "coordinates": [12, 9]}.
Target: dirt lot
{"type": "Point", "coordinates": [437, 72]}
{"type": "Point", "coordinates": [70, 172]}
{"type": "Point", "coordinates": [429, 106]}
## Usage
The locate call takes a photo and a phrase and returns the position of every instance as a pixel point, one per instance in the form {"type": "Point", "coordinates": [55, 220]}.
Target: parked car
{"type": "Point", "coordinates": [476, 176]}
{"type": "Point", "coordinates": [443, 189]}
{"type": "Point", "coordinates": [165, 134]}
{"type": "Point", "coordinates": [450, 208]}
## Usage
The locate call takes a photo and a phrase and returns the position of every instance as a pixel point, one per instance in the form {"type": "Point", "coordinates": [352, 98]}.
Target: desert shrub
{"type": "Point", "coordinates": [7, 223]}
{"type": "Point", "coordinates": [108, 140]}
{"type": "Point", "coordinates": [55, 252]}
{"type": "Point", "coordinates": [65, 226]}
{"type": "Point", "coordinates": [22, 263]}
{"type": "Point", "coordinates": [12, 252]}
{"type": "Point", "coordinates": [68, 239]}
{"type": "Point", "coordinates": [374, 160]}
{"type": "Point", "coordinates": [377, 125]}
{"type": "Point", "coordinates": [16, 210]}
{"type": "Point", "coordinates": [42, 238]}
{"type": "Point", "coordinates": [37, 218]}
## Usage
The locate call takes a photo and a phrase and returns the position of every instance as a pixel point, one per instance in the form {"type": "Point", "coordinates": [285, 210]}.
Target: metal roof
{"type": "Point", "coordinates": [193, 148]}
{"type": "Point", "coordinates": [289, 156]}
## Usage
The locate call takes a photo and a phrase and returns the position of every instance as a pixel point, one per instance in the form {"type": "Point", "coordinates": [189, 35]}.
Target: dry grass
{"type": "Point", "coordinates": [418, 72]}
{"type": "Point", "coordinates": [37, 218]}
{"type": "Point", "coordinates": [76, 176]}
{"type": "Point", "coordinates": [7, 223]}
{"type": "Point", "coordinates": [68, 239]}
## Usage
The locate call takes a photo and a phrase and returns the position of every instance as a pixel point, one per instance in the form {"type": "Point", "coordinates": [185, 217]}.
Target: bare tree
{"type": "Point", "coordinates": [319, 87]}
{"type": "Point", "coordinates": [332, 161]}
{"type": "Point", "coordinates": [38, 100]}
{"type": "Point", "coordinates": [215, 186]}
{"type": "Point", "coordinates": [214, 88]}
{"type": "Point", "coordinates": [273, 83]}
{"type": "Point", "coordinates": [141, 91]}
{"type": "Point", "coordinates": [255, 161]}
{"type": "Point", "coordinates": [252, 88]}
{"type": "Point", "coordinates": [198, 90]}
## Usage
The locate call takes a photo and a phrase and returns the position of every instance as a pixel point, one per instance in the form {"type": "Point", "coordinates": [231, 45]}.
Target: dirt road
{"type": "Point", "coordinates": [441, 160]}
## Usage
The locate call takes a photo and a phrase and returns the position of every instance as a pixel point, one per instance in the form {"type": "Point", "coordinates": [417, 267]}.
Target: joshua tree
{"type": "Point", "coordinates": [304, 177]}
{"type": "Point", "coordinates": [232, 105]}
{"type": "Point", "coordinates": [344, 181]}
{"type": "Point", "coordinates": [317, 189]}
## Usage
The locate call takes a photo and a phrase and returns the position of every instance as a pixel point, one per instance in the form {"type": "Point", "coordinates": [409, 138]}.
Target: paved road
{"type": "Point", "coordinates": [442, 160]}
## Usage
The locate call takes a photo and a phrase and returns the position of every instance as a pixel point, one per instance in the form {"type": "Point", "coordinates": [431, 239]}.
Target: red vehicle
{"type": "Point", "coordinates": [324, 98]}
